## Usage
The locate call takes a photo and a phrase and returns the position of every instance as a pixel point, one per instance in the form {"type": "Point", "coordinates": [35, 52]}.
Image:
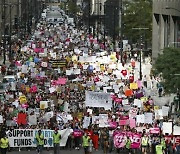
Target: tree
{"type": "Point", "coordinates": [137, 14]}
{"type": "Point", "coordinates": [168, 65]}
{"type": "Point", "coordinates": [72, 7]}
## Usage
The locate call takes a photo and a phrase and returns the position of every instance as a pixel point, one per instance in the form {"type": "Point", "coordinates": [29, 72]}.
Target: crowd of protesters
{"type": "Point", "coordinates": [58, 66]}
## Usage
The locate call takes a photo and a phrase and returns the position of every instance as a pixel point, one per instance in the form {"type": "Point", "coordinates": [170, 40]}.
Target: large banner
{"type": "Point", "coordinates": [98, 99]}
{"type": "Point", "coordinates": [27, 137]}
{"type": "Point", "coordinates": [120, 139]}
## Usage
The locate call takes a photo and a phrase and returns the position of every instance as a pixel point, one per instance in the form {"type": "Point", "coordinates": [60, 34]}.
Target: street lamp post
{"type": "Point", "coordinates": [140, 64]}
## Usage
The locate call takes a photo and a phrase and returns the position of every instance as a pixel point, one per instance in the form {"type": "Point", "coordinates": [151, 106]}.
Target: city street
{"type": "Point", "coordinates": [61, 151]}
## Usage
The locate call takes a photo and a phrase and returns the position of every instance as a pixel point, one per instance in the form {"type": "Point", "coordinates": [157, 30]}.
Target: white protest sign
{"type": "Point", "coordinates": [95, 119]}
{"type": "Point", "coordinates": [69, 72]}
{"type": "Point", "coordinates": [138, 103]}
{"type": "Point", "coordinates": [165, 111]}
{"type": "Point", "coordinates": [52, 89]}
{"type": "Point", "coordinates": [77, 71]}
{"type": "Point", "coordinates": [125, 102]}
{"type": "Point", "coordinates": [24, 69]}
{"type": "Point", "coordinates": [176, 130]}
{"type": "Point", "coordinates": [148, 118]}
{"type": "Point", "coordinates": [158, 114]}
{"type": "Point", "coordinates": [87, 59]}
{"type": "Point", "coordinates": [103, 120]}
{"type": "Point", "coordinates": [167, 127]}
{"type": "Point", "coordinates": [98, 99]}
{"type": "Point", "coordinates": [133, 112]}
{"type": "Point", "coordinates": [86, 122]}
{"type": "Point", "coordinates": [64, 136]}
{"type": "Point", "coordinates": [140, 118]}
{"type": "Point", "coordinates": [32, 120]}
{"type": "Point", "coordinates": [1, 119]}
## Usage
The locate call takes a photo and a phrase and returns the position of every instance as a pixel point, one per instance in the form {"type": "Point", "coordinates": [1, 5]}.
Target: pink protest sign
{"type": "Point", "coordinates": [120, 140]}
{"type": "Point", "coordinates": [154, 130]}
{"type": "Point", "coordinates": [112, 124]}
{"type": "Point", "coordinates": [39, 50]}
{"type": "Point", "coordinates": [136, 141]}
{"type": "Point", "coordinates": [77, 133]}
{"type": "Point", "coordinates": [113, 97]}
{"type": "Point", "coordinates": [61, 81]}
{"type": "Point", "coordinates": [123, 122]}
{"type": "Point", "coordinates": [33, 89]}
{"type": "Point", "coordinates": [139, 83]}
{"type": "Point", "coordinates": [118, 100]}
{"type": "Point", "coordinates": [132, 123]}
{"type": "Point", "coordinates": [18, 63]}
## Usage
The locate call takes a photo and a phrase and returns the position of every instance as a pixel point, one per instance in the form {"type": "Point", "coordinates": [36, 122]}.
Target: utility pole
{"type": "Point", "coordinates": [89, 14]}
{"type": "Point", "coordinates": [141, 48]}
{"type": "Point", "coordinates": [4, 30]}
{"type": "Point", "coordinates": [121, 30]}
{"type": "Point", "coordinates": [10, 31]}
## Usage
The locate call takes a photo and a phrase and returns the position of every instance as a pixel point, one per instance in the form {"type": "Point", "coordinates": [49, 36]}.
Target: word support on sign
{"type": "Point", "coordinates": [27, 137]}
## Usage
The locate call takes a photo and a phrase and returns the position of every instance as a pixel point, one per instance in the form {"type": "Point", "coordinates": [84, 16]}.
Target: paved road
{"type": "Point", "coordinates": [61, 152]}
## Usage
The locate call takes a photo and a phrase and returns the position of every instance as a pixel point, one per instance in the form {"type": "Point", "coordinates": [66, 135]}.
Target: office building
{"type": "Point", "coordinates": [166, 25]}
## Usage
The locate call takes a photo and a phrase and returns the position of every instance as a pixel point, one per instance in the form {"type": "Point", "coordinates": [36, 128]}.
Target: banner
{"type": "Point", "coordinates": [155, 130]}
{"type": "Point", "coordinates": [58, 63]}
{"type": "Point", "coordinates": [98, 99]}
{"type": "Point", "coordinates": [27, 137]}
{"type": "Point", "coordinates": [120, 139]}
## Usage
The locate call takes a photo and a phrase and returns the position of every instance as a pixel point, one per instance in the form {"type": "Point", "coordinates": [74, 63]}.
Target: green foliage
{"type": "Point", "coordinates": [72, 7]}
{"type": "Point", "coordinates": [137, 14]}
{"type": "Point", "coordinates": [168, 64]}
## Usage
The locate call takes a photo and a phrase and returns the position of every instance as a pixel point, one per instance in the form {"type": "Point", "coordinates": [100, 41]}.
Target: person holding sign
{"type": "Point", "coordinates": [56, 141]}
{"type": "Point", "coordinates": [4, 143]}
{"type": "Point", "coordinates": [40, 141]}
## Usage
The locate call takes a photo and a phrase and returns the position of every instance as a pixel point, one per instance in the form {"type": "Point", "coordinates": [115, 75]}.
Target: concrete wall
{"type": "Point", "coordinates": [166, 15]}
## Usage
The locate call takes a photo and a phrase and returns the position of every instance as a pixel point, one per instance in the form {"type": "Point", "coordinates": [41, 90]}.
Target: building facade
{"type": "Point", "coordinates": [166, 25]}
{"type": "Point", "coordinates": [16, 15]}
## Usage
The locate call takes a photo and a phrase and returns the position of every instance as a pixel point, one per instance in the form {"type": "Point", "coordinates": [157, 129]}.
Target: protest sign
{"type": "Point", "coordinates": [176, 130]}
{"type": "Point", "coordinates": [167, 128]}
{"type": "Point", "coordinates": [61, 81]}
{"type": "Point", "coordinates": [133, 112]}
{"type": "Point", "coordinates": [1, 119]}
{"type": "Point", "coordinates": [103, 120]}
{"type": "Point", "coordinates": [123, 122]}
{"type": "Point", "coordinates": [86, 122]}
{"type": "Point", "coordinates": [132, 123]}
{"type": "Point", "coordinates": [155, 130]}
{"type": "Point", "coordinates": [98, 99]}
{"type": "Point", "coordinates": [43, 104]}
{"type": "Point", "coordinates": [135, 141]}
{"type": "Point", "coordinates": [95, 119]}
{"type": "Point", "coordinates": [22, 99]}
{"type": "Point", "coordinates": [32, 119]}
{"type": "Point", "coordinates": [113, 124]}
{"type": "Point", "coordinates": [27, 137]}
{"type": "Point", "coordinates": [165, 111]}
{"type": "Point", "coordinates": [58, 63]}
{"type": "Point", "coordinates": [138, 103]}
{"type": "Point", "coordinates": [120, 140]}
{"type": "Point", "coordinates": [133, 86]}
{"type": "Point", "coordinates": [148, 118]}
{"type": "Point", "coordinates": [140, 118]}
